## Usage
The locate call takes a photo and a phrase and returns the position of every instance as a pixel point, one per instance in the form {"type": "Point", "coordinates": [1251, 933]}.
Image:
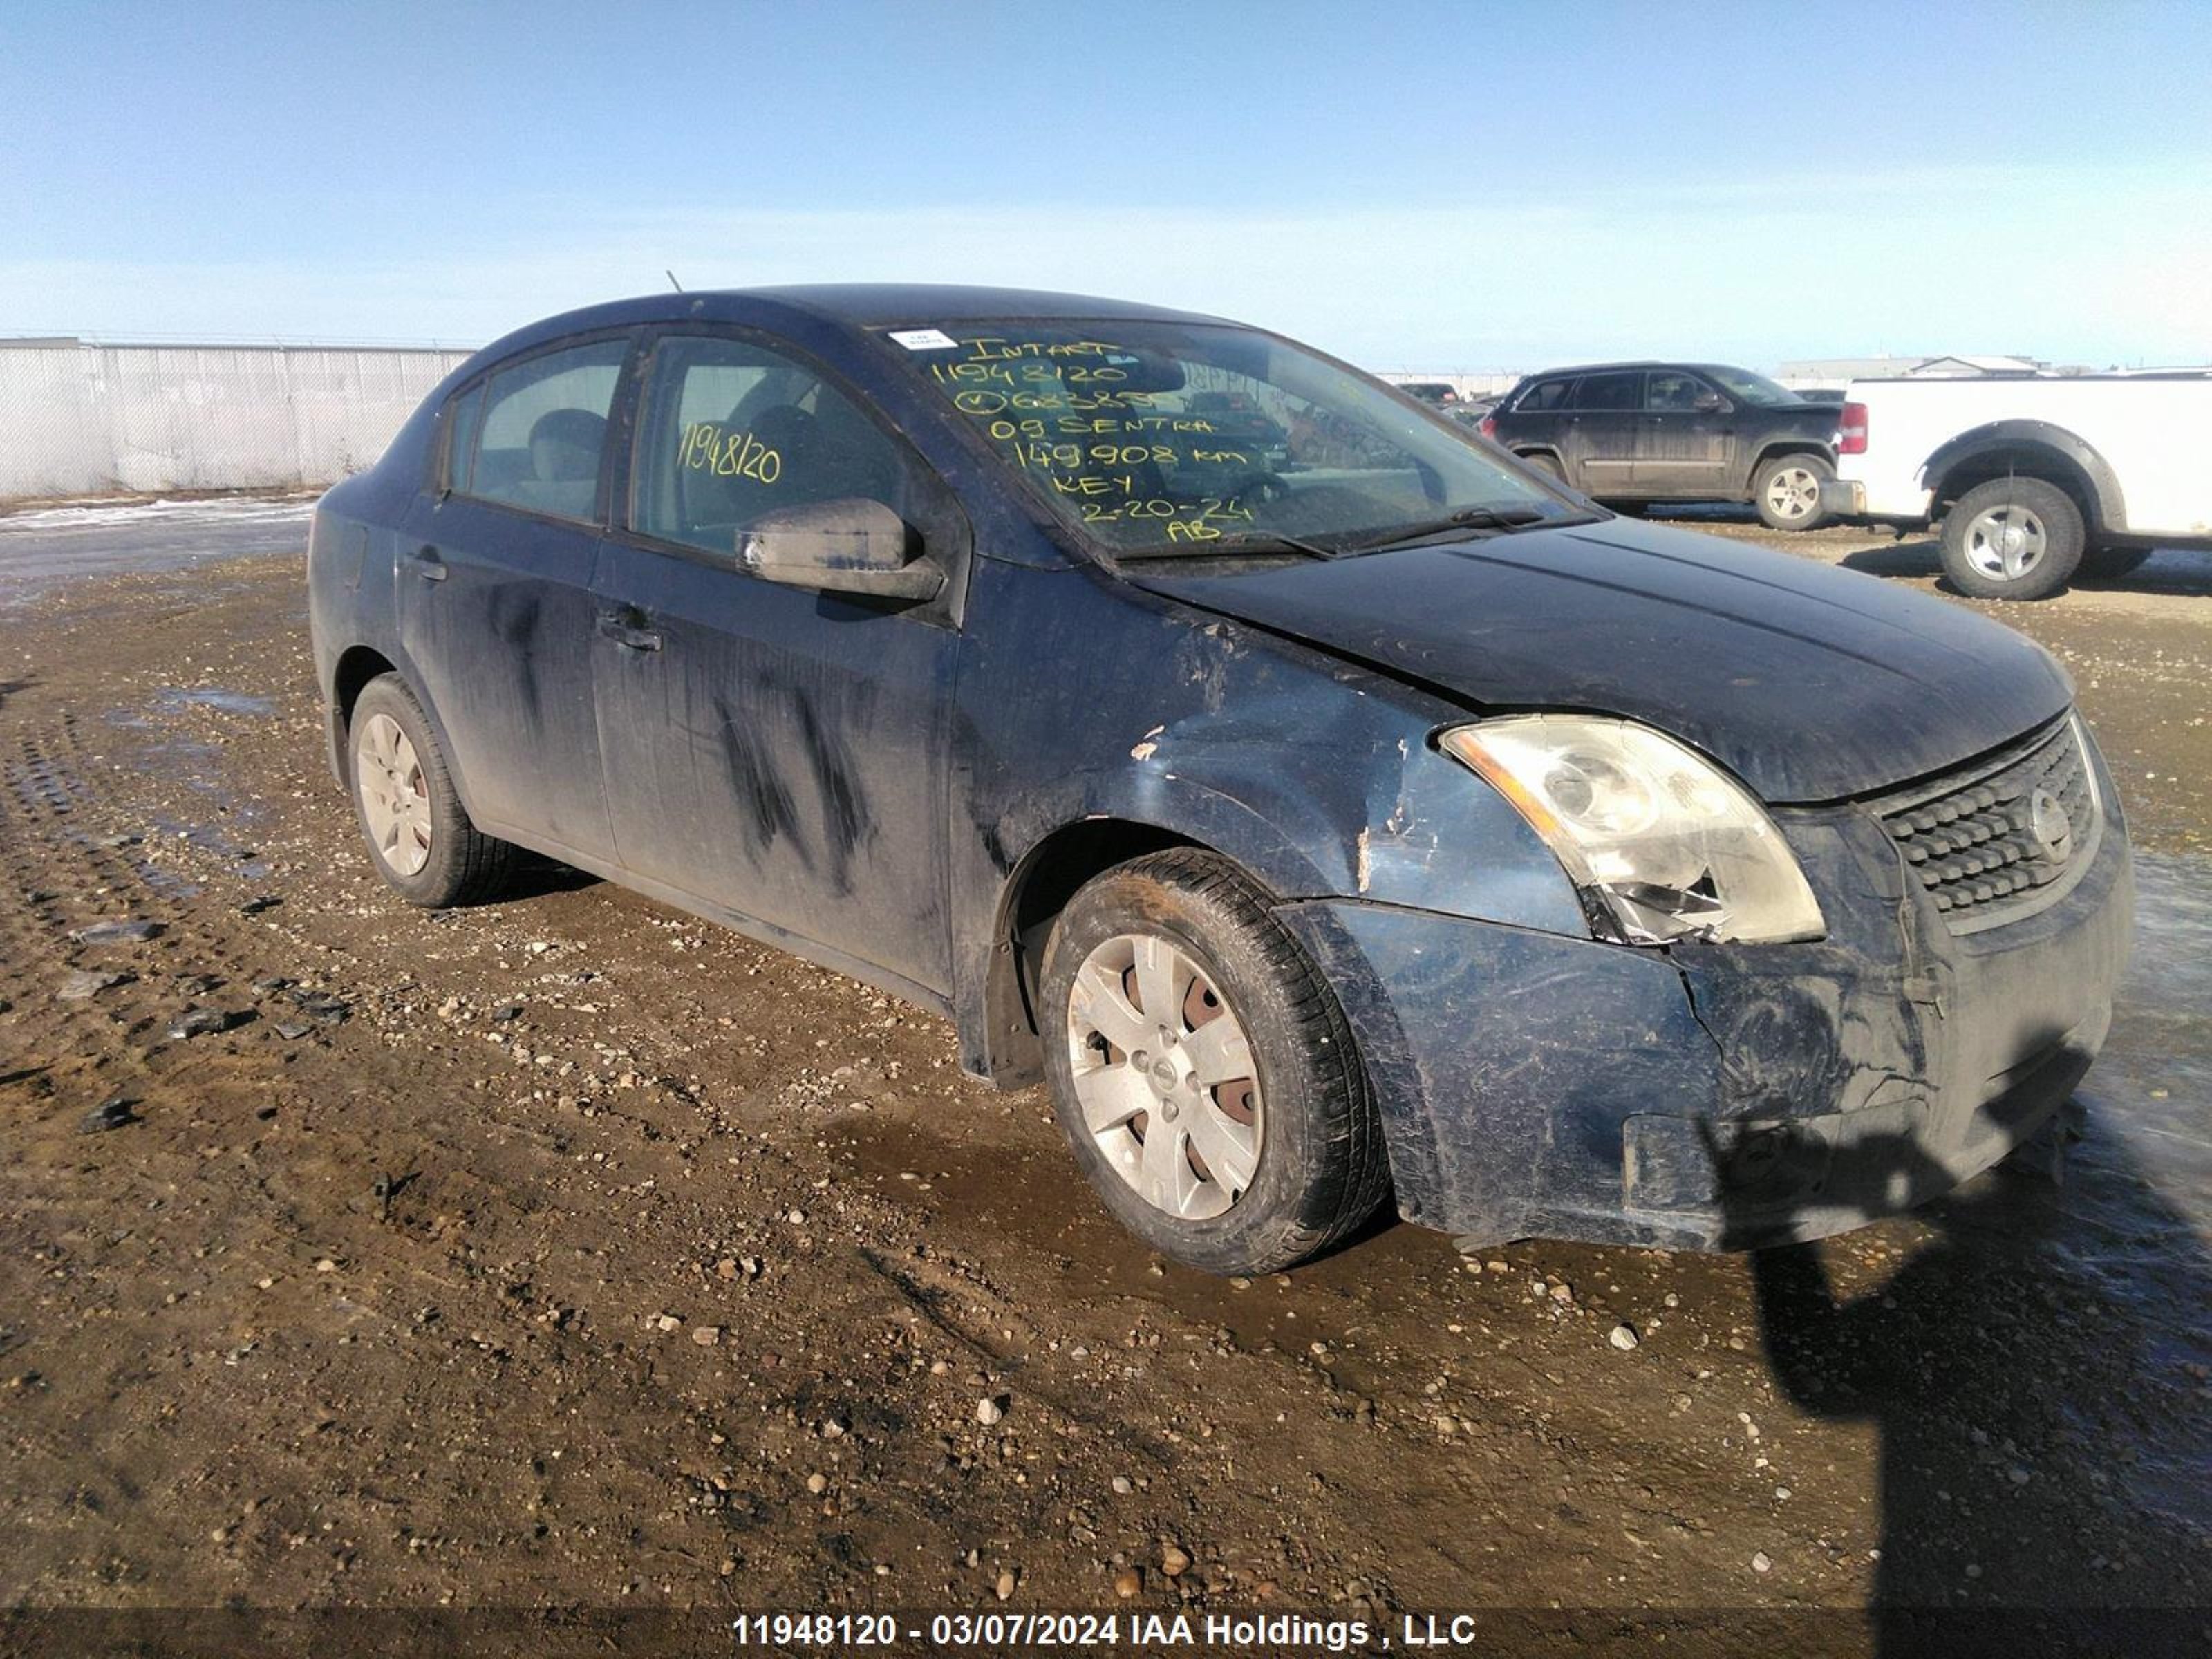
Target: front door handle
{"type": "Point", "coordinates": [430, 564]}
{"type": "Point", "coordinates": [622, 627]}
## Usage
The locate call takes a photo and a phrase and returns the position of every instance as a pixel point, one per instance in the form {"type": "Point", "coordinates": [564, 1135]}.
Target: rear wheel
{"type": "Point", "coordinates": [2012, 538]}
{"type": "Point", "coordinates": [1786, 490]}
{"type": "Point", "coordinates": [1202, 1070]}
{"type": "Point", "coordinates": [419, 834]}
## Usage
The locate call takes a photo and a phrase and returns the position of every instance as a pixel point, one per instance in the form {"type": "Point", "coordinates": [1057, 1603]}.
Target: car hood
{"type": "Point", "coordinates": [1810, 683]}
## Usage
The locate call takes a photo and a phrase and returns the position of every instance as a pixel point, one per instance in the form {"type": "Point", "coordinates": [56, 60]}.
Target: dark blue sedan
{"type": "Point", "coordinates": [1328, 808]}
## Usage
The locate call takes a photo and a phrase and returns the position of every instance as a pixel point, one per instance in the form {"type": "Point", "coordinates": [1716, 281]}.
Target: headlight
{"type": "Point", "coordinates": [1666, 844]}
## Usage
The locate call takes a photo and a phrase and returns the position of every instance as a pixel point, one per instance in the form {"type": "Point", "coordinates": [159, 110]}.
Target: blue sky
{"type": "Point", "coordinates": [1442, 186]}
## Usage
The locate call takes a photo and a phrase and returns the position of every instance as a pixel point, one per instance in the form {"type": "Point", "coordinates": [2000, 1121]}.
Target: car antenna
{"type": "Point", "coordinates": [672, 282]}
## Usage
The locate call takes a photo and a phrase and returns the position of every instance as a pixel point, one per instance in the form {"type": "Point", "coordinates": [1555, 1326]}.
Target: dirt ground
{"type": "Point", "coordinates": [570, 1251]}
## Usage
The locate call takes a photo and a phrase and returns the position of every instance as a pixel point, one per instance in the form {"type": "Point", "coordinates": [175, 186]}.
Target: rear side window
{"type": "Point", "coordinates": [536, 434]}
{"type": "Point", "coordinates": [1544, 394]}
{"type": "Point", "coordinates": [1605, 392]}
{"type": "Point", "coordinates": [734, 431]}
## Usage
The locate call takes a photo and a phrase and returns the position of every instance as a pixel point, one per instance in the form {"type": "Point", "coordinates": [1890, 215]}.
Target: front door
{"type": "Point", "coordinates": [772, 751]}
{"type": "Point", "coordinates": [1686, 439]}
{"type": "Point", "coordinates": [1601, 432]}
{"type": "Point", "coordinates": [494, 594]}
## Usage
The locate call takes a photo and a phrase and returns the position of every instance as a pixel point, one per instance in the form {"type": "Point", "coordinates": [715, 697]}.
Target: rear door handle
{"type": "Point", "coordinates": [622, 627]}
{"type": "Point", "coordinates": [430, 564]}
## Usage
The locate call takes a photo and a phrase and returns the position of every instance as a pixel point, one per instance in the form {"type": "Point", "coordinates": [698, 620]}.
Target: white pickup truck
{"type": "Point", "coordinates": [2031, 478]}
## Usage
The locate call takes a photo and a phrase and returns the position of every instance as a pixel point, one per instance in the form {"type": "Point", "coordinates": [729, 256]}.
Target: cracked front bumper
{"type": "Point", "coordinates": [1718, 1096]}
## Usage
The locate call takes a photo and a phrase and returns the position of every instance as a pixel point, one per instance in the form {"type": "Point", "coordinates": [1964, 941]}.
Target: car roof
{"type": "Point", "coordinates": [1623, 367]}
{"type": "Point", "coordinates": [867, 303]}
{"type": "Point", "coordinates": [849, 306]}
{"type": "Point", "coordinates": [845, 305]}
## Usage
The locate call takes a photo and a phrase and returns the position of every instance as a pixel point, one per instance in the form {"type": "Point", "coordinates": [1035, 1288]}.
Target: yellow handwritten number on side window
{"type": "Point", "coordinates": [709, 448]}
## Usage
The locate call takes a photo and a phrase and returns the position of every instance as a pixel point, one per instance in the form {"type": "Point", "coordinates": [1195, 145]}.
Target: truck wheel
{"type": "Point", "coordinates": [2109, 564]}
{"type": "Point", "coordinates": [1202, 1070]}
{"type": "Point", "coordinates": [1786, 490]}
{"type": "Point", "coordinates": [419, 834]}
{"type": "Point", "coordinates": [2012, 538]}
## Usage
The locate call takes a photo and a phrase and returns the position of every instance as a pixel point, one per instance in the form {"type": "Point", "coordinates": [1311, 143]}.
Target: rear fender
{"type": "Point", "coordinates": [2032, 449]}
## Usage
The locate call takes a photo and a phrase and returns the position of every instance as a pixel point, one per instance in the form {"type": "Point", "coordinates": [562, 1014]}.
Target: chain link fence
{"type": "Point", "coordinates": [78, 418]}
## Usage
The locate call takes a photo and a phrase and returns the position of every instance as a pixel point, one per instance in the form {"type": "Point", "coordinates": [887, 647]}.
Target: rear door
{"type": "Point", "coordinates": [494, 591]}
{"type": "Point", "coordinates": [1534, 420]}
{"type": "Point", "coordinates": [1685, 437]}
{"type": "Point", "coordinates": [1602, 432]}
{"type": "Point", "coordinates": [772, 751]}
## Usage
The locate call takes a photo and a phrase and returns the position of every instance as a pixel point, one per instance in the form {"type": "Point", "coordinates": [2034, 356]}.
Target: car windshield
{"type": "Point", "coordinates": [1746, 387]}
{"type": "Point", "coordinates": [1160, 438]}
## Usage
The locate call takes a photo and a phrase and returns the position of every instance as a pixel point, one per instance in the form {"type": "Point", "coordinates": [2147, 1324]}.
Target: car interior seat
{"type": "Point", "coordinates": [565, 446]}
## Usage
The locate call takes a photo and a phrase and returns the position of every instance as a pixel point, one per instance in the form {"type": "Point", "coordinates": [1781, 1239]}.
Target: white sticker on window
{"type": "Point", "coordinates": [924, 340]}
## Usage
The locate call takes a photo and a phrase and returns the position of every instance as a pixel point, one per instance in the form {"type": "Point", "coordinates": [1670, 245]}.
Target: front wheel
{"type": "Point", "coordinates": [1202, 1070]}
{"type": "Point", "coordinates": [1786, 490]}
{"type": "Point", "coordinates": [2012, 538]}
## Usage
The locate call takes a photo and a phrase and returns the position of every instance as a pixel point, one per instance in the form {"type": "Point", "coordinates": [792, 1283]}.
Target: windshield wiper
{"type": "Point", "coordinates": [1223, 546]}
{"type": "Point", "coordinates": [1506, 519]}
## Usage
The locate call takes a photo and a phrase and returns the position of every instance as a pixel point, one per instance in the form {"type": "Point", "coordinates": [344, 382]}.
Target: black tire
{"type": "Point", "coordinates": [1322, 1169]}
{"type": "Point", "coordinates": [2046, 510]}
{"type": "Point", "coordinates": [463, 865]}
{"type": "Point", "coordinates": [1547, 465]}
{"type": "Point", "coordinates": [2109, 564]}
{"type": "Point", "coordinates": [1795, 468]}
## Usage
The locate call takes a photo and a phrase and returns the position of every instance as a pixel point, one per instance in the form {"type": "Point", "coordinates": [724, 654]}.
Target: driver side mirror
{"type": "Point", "coordinates": [845, 546]}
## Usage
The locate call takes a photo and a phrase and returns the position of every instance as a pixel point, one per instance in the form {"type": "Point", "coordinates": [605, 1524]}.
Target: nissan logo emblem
{"type": "Point", "coordinates": [2047, 818]}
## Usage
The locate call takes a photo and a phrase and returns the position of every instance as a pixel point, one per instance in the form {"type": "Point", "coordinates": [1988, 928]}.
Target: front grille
{"type": "Point", "coordinates": [1971, 836]}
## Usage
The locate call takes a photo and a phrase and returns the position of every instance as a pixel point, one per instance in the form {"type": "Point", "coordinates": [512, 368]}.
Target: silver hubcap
{"type": "Point", "coordinates": [394, 799]}
{"type": "Point", "coordinates": [1793, 492]}
{"type": "Point", "coordinates": [2005, 543]}
{"type": "Point", "coordinates": [1164, 1075]}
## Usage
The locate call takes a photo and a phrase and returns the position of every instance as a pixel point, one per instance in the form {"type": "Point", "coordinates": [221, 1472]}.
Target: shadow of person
{"type": "Point", "coordinates": [2022, 1409]}
{"type": "Point", "coordinates": [1921, 557]}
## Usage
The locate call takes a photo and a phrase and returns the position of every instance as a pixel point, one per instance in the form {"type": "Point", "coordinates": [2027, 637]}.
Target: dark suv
{"type": "Point", "coordinates": [1674, 432]}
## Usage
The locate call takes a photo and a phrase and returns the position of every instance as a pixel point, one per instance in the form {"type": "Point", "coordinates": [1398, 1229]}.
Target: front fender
{"type": "Point", "coordinates": [1318, 777]}
{"type": "Point", "coordinates": [1368, 810]}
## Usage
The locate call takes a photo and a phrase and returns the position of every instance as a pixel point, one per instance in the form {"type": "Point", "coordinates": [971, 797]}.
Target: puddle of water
{"type": "Point", "coordinates": [172, 698]}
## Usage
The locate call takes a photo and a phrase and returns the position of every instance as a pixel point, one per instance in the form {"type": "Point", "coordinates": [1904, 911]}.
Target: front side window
{"type": "Point", "coordinates": [1159, 437]}
{"type": "Point", "coordinates": [1670, 391]}
{"type": "Point", "coordinates": [1747, 387]}
{"type": "Point", "coordinates": [734, 432]}
{"type": "Point", "coordinates": [535, 437]}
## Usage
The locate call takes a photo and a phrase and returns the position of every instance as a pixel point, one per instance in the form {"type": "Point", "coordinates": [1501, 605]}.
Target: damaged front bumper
{"type": "Point", "coordinates": [1724, 1096]}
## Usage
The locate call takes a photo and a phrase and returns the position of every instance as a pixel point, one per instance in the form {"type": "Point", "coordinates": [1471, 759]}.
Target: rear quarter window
{"type": "Point", "coordinates": [1542, 396]}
